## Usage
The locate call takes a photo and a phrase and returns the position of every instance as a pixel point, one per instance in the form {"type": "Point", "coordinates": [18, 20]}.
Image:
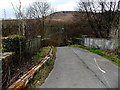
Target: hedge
{"type": "Point", "coordinates": [13, 43]}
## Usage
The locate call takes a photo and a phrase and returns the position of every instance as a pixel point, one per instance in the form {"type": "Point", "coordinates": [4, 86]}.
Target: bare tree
{"type": "Point", "coordinates": [20, 15]}
{"type": "Point", "coordinates": [102, 15]}
{"type": "Point", "coordinates": [39, 10]}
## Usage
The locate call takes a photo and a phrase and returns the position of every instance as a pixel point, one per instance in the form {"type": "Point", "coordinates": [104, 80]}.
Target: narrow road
{"type": "Point", "coordinates": [77, 68]}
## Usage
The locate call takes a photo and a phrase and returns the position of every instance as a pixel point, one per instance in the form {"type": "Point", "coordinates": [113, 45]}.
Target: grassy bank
{"type": "Point", "coordinates": [41, 54]}
{"type": "Point", "coordinates": [114, 58]}
{"type": "Point", "coordinates": [45, 70]}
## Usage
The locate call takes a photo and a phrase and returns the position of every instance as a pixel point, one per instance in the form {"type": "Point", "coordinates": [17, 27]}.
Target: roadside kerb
{"type": "Point", "coordinates": [22, 82]}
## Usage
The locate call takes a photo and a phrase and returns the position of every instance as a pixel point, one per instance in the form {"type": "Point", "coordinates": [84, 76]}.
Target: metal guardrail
{"type": "Point", "coordinates": [22, 82]}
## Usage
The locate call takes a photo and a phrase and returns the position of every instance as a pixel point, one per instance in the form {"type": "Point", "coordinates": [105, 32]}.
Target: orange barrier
{"type": "Point", "coordinates": [22, 82]}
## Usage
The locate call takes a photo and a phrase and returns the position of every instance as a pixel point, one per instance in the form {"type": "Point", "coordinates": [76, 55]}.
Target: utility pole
{"type": "Point", "coordinates": [5, 14]}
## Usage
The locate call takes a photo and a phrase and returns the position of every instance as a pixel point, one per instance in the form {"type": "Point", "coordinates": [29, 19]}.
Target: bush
{"type": "Point", "coordinates": [14, 43]}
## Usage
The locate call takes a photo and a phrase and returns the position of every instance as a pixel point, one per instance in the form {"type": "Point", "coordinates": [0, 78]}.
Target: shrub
{"type": "Point", "coordinates": [13, 43]}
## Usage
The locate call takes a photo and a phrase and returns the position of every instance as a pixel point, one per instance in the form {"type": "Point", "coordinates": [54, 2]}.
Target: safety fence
{"type": "Point", "coordinates": [22, 82]}
{"type": "Point", "coordinates": [11, 62]}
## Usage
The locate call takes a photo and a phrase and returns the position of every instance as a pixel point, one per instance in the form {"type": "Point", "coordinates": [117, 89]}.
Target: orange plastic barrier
{"type": "Point", "coordinates": [22, 82]}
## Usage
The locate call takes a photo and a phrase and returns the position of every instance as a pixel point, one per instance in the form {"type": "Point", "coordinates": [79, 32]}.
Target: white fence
{"type": "Point", "coordinates": [101, 43]}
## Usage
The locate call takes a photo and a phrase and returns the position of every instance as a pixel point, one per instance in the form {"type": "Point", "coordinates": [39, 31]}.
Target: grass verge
{"type": "Point", "coordinates": [41, 54]}
{"type": "Point", "coordinates": [114, 58]}
{"type": "Point", "coordinates": [45, 70]}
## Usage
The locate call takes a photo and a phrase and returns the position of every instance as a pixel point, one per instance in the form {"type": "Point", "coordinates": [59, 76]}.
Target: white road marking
{"type": "Point", "coordinates": [98, 66]}
{"type": "Point", "coordinates": [103, 72]}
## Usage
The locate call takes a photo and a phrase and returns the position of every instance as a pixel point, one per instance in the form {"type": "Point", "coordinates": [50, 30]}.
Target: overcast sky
{"type": "Point", "coordinates": [58, 5]}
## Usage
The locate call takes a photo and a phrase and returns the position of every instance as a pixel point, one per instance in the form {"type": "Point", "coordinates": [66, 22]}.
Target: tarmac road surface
{"type": "Point", "coordinates": [77, 68]}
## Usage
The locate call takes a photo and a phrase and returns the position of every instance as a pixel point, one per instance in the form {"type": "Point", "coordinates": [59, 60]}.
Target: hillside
{"type": "Point", "coordinates": [63, 16]}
